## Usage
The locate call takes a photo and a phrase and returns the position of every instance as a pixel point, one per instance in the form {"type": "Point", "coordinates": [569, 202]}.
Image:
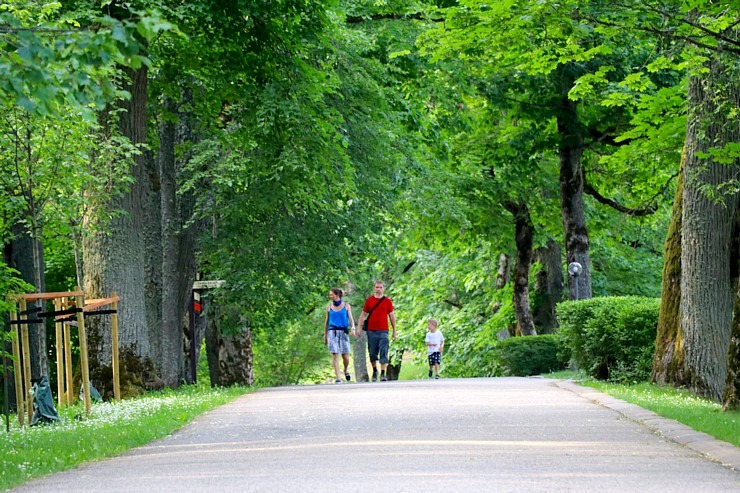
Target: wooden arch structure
{"type": "Point", "coordinates": [66, 313]}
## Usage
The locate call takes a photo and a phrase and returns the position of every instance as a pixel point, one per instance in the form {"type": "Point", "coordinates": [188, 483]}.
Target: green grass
{"type": "Point", "coordinates": [112, 428]}
{"type": "Point", "coordinates": [678, 404]}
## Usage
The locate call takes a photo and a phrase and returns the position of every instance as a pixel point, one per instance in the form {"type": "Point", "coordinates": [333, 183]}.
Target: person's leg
{"type": "Point", "coordinates": [372, 349]}
{"type": "Point", "coordinates": [383, 344]}
{"type": "Point", "coordinates": [335, 361]}
{"type": "Point", "coordinates": [430, 359]}
{"type": "Point", "coordinates": [345, 360]}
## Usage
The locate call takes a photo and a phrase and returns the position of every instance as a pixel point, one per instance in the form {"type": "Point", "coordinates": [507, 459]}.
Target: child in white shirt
{"type": "Point", "coordinates": [435, 345]}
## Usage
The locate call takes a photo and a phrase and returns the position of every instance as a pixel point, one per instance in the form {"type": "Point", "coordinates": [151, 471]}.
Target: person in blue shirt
{"type": "Point", "coordinates": [337, 327]}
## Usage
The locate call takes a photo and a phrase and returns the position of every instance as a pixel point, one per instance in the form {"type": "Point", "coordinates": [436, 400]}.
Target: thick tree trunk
{"type": "Point", "coordinates": [524, 241]}
{"type": "Point", "coordinates": [359, 356]}
{"type": "Point", "coordinates": [731, 397]}
{"type": "Point", "coordinates": [176, 270]}
{"type": "Point", "coordinates": [235, 359]}
{"type": "Point", "coordinates": [707, 295]}
{"type": "Point", "coordinates": [26, 256]}
{"type": "Point", "coordinates": [668, 359]}
{"type": "Point", "coordinates": [548, 286]}
{"type": "Point", "coordinates": [121, 259]}
{"type": "Point", "coordinates": [571, 199]}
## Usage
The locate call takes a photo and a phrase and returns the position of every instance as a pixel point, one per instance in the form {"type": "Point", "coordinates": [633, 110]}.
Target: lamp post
{"type": "Point", "coordinates": [574, 269]}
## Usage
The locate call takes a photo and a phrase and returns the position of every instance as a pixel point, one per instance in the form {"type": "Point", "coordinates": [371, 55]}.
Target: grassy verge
{"type": "Point", "coordinates": [112, 428]}
{"type": "Point", "coordinates": [678, 404]}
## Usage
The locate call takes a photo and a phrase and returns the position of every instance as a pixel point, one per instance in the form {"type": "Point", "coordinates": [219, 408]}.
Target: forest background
{"type": "Point", "coordinates": [463, 152]}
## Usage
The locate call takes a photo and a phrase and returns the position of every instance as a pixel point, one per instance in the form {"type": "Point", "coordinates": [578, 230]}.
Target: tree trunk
{"type": "Point", "coordinates": [731, 397]}
{"type": "Point", "coordinates": [669, 357]}
{"type": "Point", "coordinates": [176, 276]}
{"type": "Point", "coordinates": [502, 277]}
{"type": "Point", "coordinates": [524, 241]}
{"type": "Point", "coordinates": [571, 198]}
{"type": "Point", "coordinates": [548, 286]}
{"type": "Point", "coordinates": [707, 297]}
{"type": "Point", "coordinates": [212, 344]}
{"type": "Point", "coordinates": [235, 359]}
{"type": "Point", "coordinates": [359, 359]}
{"type": "Point", "coordinates": [120, 259]}
{"type": "Point", "coordinates": [26, 256]}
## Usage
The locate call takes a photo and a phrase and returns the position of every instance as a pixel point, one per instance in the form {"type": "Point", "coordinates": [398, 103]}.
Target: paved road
{"type": "Point", "coordinates": [471, 435]}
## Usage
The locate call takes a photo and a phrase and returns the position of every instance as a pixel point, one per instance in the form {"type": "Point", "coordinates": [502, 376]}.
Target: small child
{"type": "Point", "coordinates": [435, 345]}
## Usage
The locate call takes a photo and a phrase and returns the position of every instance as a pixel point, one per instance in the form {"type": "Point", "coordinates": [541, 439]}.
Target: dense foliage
{"type": "Point", "coordinates": [316, 144]}
{"type": "Point", "coordinates": [611, 338]}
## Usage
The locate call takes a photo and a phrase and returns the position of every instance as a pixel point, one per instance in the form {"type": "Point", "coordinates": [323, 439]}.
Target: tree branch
{"type": "Point", "coordinates": [356, 19]}
{"type": "Point", "coordinates": [649, 209]}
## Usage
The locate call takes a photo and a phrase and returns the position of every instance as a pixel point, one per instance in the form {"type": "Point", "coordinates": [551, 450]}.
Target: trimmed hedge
{"type": "Point", "coordinates": [531, 355]}
{"type": "Point", "coordinates": [611, 338]}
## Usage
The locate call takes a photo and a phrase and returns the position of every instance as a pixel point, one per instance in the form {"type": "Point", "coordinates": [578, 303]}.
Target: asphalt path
{"type": "Point", "coordinates": [462, 435]}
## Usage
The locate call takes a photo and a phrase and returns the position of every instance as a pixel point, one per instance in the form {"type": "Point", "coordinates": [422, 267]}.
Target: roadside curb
{"type": "Point", "coordinates": [723, 452]}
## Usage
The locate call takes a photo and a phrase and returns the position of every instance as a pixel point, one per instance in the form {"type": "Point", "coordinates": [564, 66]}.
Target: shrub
{"type": "Point", "coordinates": [611, 338]}
{"type": "Point", "coordinates": [531, 355]}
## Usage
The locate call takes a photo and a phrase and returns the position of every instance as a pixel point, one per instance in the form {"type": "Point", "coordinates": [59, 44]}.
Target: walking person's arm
{"type": "Point", "coordinates": [392, 317]}
{"type": "Point", "coordinates": [351, 318]}
{"type": "Point", "coordinates": [363, 316]}
{"type": "Point", "coordinates": [326, 328]}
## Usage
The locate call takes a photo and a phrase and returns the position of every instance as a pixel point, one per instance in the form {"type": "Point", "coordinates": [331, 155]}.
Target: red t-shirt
{"type": "Point", "coordinates": [378, 320]}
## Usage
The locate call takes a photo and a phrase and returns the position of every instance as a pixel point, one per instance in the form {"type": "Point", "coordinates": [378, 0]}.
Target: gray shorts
{"type": "Point", "coordinates": [337, 342]}
{"type": "Point", "coordinates": [377, 346]}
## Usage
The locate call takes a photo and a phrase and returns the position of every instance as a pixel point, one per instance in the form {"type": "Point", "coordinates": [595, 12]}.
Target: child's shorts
{"type": "Point", "coordinates": [435, 358]}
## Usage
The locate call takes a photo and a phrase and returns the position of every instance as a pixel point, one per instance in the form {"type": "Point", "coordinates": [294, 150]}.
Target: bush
{"type": "Point", "coordinates": [611, 338]}
{"type": "Point", "coordinates": [531, 355]}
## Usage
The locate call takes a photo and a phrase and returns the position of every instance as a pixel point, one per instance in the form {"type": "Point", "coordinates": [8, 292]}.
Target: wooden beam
{"type": "Point", "coordinates": [46, 296]}
{"type": "Point", "coordinates": [93, 304]}
{"type": "Point", "coordinates": [17, 371]}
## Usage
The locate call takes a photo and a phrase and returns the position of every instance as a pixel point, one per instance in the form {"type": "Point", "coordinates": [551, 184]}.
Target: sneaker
{"type": "Point", "coordinates": [375, 376]}
{"type": "Point", "coordinates": [430, 373]}
{"type": "Point", "coordinates": [346, 375]}
{"type": "Point", "coordinates": [383, 378]}
{"type": "Point", "coordinates": [337, 381]}
{"type": "Point", "coordinates": [436, 377]}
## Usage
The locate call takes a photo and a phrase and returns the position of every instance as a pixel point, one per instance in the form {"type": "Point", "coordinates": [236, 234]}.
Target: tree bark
{"type": "Point", "coordinates": [26, 256]}
{"type": "Point", "coordinates": [731, 396]}
{"type": "Point", "coordinates": [235, 359]}
{"type": "Point", "coordinates": [668, 359]}
{"type": "Point", "coordinates": [571, 198]}
{"type": "Point", "coordinates": [359, 360]}
{"type": "Point", "coordinates": [524, 241]}
{"type": "Point", "coordinates": [548, 286]}
{"type": "Point", "coordinates": [707, 297]}
{"type": "Point", "coordinates": [120, 258]}
{"type": "Point", "coordinates": [176, 270]}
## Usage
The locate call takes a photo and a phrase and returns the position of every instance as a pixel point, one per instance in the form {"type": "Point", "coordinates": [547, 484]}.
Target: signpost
{"type": "Point", "coordinates": [197, 307]}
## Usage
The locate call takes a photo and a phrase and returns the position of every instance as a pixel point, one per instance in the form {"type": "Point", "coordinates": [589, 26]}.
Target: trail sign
{"type": "Point", "coordinates": [207, 284]}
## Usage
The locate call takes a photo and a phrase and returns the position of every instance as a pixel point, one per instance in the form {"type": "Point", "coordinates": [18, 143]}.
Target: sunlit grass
{"type": "Point", "coordinates": [111, 428]}
{"type": "Point", "coordinates": [678, 404]}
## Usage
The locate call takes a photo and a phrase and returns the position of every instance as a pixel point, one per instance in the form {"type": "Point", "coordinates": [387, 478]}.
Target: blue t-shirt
{"type": "Point", "coordinates": [339, 318]}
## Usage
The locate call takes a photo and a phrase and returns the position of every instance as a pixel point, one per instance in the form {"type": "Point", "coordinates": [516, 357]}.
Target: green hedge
{"type": "Point", "coordinates": [611, 338]}
{"type": "Point", "coordinates": [531, 355]}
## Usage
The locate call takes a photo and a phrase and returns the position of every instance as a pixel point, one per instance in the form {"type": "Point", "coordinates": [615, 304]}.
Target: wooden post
{"type": "Point", "coordinates": [114, 350]}
{"type": "Point", "coordinates": [68, 357]}
{"type": "Point", "coordinates": [17, 372]}
{"type": "Point", "coordinates": [80, 303]}
{"type": "Point", "coordinates": [26, 350]}
{"type": "Point", "coordinates": [60, 356]}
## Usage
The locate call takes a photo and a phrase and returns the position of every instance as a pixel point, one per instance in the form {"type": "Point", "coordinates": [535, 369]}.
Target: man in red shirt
{"type": "Point", "coordinates": [378, 310]}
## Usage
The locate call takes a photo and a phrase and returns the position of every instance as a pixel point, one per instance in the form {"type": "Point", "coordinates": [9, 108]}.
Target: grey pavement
{"type": "Point", "coordinates": [487, 434]}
